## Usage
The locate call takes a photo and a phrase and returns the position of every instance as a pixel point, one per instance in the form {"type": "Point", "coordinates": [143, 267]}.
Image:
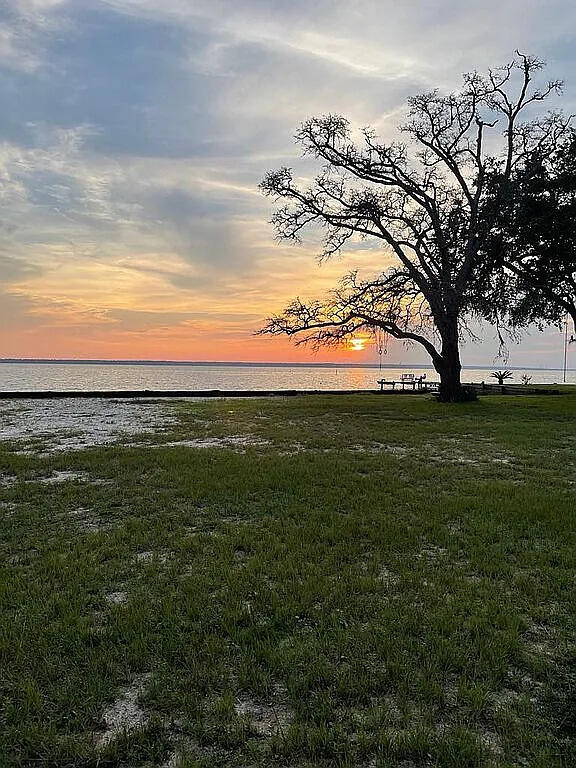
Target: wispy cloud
{"type": "Point", "coordinates": [134, 134]}
{"type": "Point", "coordinates": [25, 27]}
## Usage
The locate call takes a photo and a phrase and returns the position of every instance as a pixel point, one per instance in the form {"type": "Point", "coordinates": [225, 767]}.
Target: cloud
{"type": "Point", "coordinates": [135, 132]}
{"type": "Point", "coordinates": [25, 28]}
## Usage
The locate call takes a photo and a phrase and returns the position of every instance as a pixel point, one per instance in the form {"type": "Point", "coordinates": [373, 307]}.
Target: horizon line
{"type": "Point", "coordinates": [248, 363]}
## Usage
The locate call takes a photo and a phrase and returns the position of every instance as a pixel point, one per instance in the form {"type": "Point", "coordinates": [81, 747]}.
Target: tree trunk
{"type": "Point", "coordinates": [450, 385]}
{"type": "Point", "coordinates": [449, 367]}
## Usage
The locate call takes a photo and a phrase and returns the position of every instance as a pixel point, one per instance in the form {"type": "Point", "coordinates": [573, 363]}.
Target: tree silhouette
{"type": "Point", "coordinates": [532, 247]}
{"type": "Point", "coordinates": [421, 201]}
{"type": "Point", "coordinates": [501, 376]}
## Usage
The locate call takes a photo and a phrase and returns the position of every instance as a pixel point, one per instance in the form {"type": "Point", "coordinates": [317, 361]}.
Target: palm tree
{"type": "Point", "coordinates": [501, 376]}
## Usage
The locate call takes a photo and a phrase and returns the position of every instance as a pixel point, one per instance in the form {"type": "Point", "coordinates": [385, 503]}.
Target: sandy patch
{"type": "Point", "coordinates": [55, 478]}
{"type": "Point", "coordinates": [503, 700]}
{"type": "Point", "coordinates": [173, 759]}
{"type": "Point", "coordinates": [144, 557]}
{"type": "Point", "coordinates": [125, 714]}
{"type": "Point", "coordinates": [476, 452]}
{"type": "Point", "coordinates": [370, 448]}
{"type": "Point", "coordinates": [64, 477]}
{"type": "Point", "coordinates": [86, 519]}
{"type": "Point", "coordinates": [150, 556]}
{"type": "Point", "coordinates": [491, 741]}
{"type": "Point", "coordinates": [387, 577]}
{"type": "Point", "coordinates": [71, 424]}
{"type": "Point", "coordinates": [432, 552]}
{"type": "Point", "coordinates": [116, 598]}
{"type": "Point", "coordinates": [541, 640]}
{"type": "Point", "coordinates": [24, 557]}
{"type": "Point", "coordinates": [8, 508]}
{"type": "Point", "coordinates": [186, 749]}
{"type": "Point", "coordinates": [454, 527]}
{"type": "Point", "coordinates": [266, 718]}
{"type": "Point", "coordinates": [231, 441]}
{"type": "Point", "coordinates": [395, 450]}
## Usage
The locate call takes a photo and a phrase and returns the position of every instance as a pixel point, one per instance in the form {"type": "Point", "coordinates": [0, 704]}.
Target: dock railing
{"type": "Point", "coordinates": [420, 384]}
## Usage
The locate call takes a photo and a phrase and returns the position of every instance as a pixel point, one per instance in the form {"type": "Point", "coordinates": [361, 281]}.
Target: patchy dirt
{"type": "Point", "coordinates": [541, 640]}
{"type": "Point", "coordinates": [266, 718]}
{"type": "Point", "coordinates": [502, 700]}
{"type": "Point", "coordinates": [7, 508]}
{"type": "Point", "coordinates": [231, 441]}
{"type": "Point", "coordinates": [432, 552]}
{"type": "Point", "coordinates": [477, 452]}
{"type": "Point", "coordinates": [87, 520]}
{"type": "Point", "coordinates": [64, 477]}
{"type": "Point", "coordinates": [24, 557]}
{"type": "Point", "coordinates": [395, 450]}
{"type": "Point", "coordinates": [370, 448]}
{"type": "Point", "coordinates": [55, 478]}
{"type": "Point", "coordinates": [70, 424]}
{"type": "Point", "coordinates": [454, 527]}
{"type": "Point", "coordinates": [125, 714]}
{"type": "Point", "coordinates": [186, 749]}
{"type": "Point", "coordinates": [172, 761]}
{"type": "Point", "coordinates": [150, 556]}
{"type": "Point", "coordinates": [387, 577]}
{"type": "Point", "coordinates": [491, 741]}
{"type": "Point", "coordinates": [116, 598]}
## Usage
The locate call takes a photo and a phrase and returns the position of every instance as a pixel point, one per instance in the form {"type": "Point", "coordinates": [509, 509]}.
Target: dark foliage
{"type": "Point", "coordinates": [531, 253]}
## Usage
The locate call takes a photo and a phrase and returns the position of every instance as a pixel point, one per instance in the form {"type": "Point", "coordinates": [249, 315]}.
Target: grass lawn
{"type": "Point", "coordinates": [348, 581]}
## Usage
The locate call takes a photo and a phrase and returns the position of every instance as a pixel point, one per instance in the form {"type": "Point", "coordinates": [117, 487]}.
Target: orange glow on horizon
{"type": "Point", "coordinates": [129, 309]}
{"type": "Point", "coordinates": [358, 344]}
{"type": "Point", "coordinates": [185, 342]}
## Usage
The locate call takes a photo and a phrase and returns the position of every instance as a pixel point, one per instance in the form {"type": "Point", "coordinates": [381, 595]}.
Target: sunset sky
{"type": "Point", "coordinates": [133, 134]}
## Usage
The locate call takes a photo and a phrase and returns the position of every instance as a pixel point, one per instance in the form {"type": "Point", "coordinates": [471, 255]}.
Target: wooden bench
{"type": "Point", "coordinates": [410, 380]}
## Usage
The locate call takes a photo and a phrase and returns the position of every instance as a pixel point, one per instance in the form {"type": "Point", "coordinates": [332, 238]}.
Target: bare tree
{"type": "Point", "coordinates": [421, 200]}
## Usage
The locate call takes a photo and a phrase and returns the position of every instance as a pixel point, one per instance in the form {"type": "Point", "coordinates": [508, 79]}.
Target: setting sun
{"type": "Point", "coordinates": [358, 344]}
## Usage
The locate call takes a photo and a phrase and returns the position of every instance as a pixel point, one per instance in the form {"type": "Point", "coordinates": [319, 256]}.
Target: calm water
{"type": "Point", "coordinates": [59, 376]}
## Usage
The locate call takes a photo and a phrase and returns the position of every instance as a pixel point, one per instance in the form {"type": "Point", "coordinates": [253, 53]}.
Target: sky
{"type": "Point", "coordinates": [134, 133]}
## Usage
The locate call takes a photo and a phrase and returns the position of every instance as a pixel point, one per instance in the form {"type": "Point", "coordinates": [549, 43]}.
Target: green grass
{"type": "Point", "coordinates": [370, 582]}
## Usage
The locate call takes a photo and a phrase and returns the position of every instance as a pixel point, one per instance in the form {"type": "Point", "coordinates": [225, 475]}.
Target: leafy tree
{"type": "Point", "coordinates": [422, 201]}
{"type": "Point", "coordinates": [531, 251]}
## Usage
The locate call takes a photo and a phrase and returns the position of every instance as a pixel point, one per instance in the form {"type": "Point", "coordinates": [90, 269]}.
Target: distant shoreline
{"type": "Point", "coordinates": [243, 364]}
